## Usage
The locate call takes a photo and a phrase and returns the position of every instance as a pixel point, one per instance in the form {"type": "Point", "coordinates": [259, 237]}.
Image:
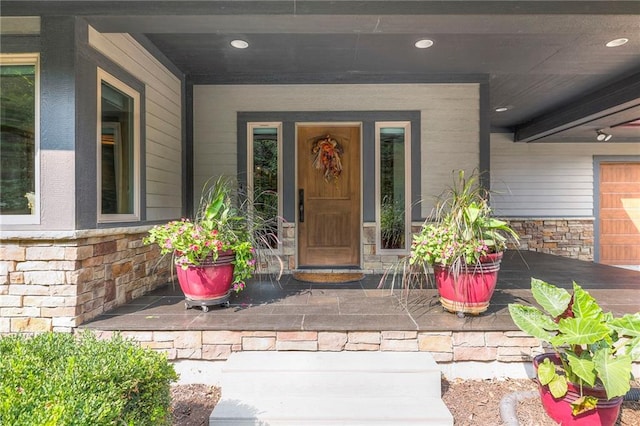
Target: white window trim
{"type": "Point", "coordinates": [28, 59]}
{"type": "Point", "coordinates": [407, 187]}
{"type": "Point", "coordinates": [278, 126]}
{"type": "Point", "coordinates": [113, 81]}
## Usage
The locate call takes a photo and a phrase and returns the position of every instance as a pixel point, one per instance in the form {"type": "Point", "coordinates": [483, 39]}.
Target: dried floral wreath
{"type": "Point", "coordinates": [326, 153]}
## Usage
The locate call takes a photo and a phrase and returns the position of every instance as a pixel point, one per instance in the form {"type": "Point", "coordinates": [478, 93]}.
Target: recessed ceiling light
{"type": "Point", "coordinates": [239, 44]}
{"type": "Point", "coordinates": [501, 109]}
{"type": "Point", "coordinates": [617, 42]}
{"type": "Point", "coordinates": [424, 43]}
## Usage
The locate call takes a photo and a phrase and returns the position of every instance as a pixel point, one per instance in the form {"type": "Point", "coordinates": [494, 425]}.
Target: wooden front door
{"type": "Point", "coordinates": [328, 195]}
{"type": "Point", "coordinates": [619, 214]}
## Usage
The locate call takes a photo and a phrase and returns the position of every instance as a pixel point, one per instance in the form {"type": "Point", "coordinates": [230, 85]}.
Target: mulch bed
{"type": "Point", "coordinates": [471, 402]}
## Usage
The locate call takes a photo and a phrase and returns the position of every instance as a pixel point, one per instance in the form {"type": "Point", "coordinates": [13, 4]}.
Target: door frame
{"type": "Point", "coordinates": [336, 123]}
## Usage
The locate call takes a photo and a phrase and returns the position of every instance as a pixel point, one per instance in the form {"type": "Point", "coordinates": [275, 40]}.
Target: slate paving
{"type": "Point", "coordinates": [291, 305]}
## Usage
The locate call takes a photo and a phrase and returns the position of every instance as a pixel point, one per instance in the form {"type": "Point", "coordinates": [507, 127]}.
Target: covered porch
{"type": "Point", "coordinates": [359, 316]}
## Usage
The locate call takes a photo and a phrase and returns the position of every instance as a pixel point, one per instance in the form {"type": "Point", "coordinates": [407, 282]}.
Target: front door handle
{"type": "Point", "coordinates": [301, 205]}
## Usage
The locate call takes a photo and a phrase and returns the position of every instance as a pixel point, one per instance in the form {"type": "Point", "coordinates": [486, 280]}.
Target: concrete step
{"type": "Point", "coordinates": [350, 388]}
{"type": "Point", "coordinates": [324, 410]}
{"type": "Point", "coordinates": [298, 374]}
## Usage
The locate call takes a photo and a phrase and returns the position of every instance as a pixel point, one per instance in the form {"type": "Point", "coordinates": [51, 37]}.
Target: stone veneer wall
{"type": "Point", "coordinates": [56, 284]}
{"type": "Point", "coordinates": [572, 238]}
{"type": "Point", "coordinates": [445, 346]}
{"type": "Point", "coordinates": [374, 262]}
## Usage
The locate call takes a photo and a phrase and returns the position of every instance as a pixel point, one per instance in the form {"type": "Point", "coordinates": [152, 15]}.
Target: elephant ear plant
{"type": "Point", "coordinates": [595, 348]}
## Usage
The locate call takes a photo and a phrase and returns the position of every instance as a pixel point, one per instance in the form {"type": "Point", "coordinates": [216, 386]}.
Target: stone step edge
{"type": "Point", "coordinates": [322, 408]}
{"type": "Point", "coordinates": [345, 361]}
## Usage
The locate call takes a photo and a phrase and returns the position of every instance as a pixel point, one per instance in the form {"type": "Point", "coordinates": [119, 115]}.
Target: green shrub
{"type": "Point", "coordinates": [61, 379]}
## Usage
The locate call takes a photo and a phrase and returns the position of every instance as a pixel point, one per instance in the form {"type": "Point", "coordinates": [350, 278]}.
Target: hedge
{"type": "Point", "coordinates": [62, 379]}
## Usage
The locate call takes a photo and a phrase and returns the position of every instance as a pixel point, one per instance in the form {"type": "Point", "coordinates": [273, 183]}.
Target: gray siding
{"type": "Point", "coordinates": [163, 148]}
{"type": "Point", "coordinates": [449, 116]}
{"type": "Point", "coordinates": [547, 179]}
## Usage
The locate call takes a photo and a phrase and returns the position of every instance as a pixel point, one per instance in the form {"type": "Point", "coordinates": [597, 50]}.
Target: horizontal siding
{"type": "Point", "coordinates": [449, 115]}
{"type": "Point", "coordinates": [546, 179]}
{"type": "Point", "coordinates": [163, 120]}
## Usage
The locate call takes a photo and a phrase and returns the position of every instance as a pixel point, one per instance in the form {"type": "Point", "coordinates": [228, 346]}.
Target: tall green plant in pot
{"type": "Point", "coordinates": [214, 253]}
{"type": "Point", "coordinates": [463, 243]}
{"type": "Point", "coordinates": [584, 380]}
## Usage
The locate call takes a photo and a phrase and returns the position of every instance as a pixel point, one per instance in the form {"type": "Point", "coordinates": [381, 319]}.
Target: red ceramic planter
{"type": "Point", "coordinates": [471, 291]}
{"type": "Point", "coordinates": [207, 283]}
{"type": "Point", "coordinates": [559, 409]}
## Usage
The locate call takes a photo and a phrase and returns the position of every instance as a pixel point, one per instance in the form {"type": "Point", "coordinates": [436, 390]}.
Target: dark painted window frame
{"type": "Point", "coordinates": [367, 118]}
{"type": "Point", "coordinates": [87, 64]}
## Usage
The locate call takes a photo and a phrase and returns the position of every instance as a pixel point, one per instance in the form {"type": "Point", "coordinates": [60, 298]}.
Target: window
{"type": "Point", "coordinates": [118, 150]}
{"type": "Point", "coordinates": [19, 139]}
{"type": "Point", "coordinates": [264, 142]}
{"type": "Point", "coordinates": [392, 186]}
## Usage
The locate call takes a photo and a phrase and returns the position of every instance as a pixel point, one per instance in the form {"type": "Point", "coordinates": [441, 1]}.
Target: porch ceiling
{"type": "Point", "coordinates": [544, 60]}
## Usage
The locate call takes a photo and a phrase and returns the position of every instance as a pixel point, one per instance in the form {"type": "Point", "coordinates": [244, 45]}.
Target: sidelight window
{"type": "Point", "coordinates": [392, 186]}
{"type": "Point", "coordinates": [265, 141]}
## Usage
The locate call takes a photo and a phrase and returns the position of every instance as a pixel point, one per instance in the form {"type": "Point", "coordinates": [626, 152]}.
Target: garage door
{"type": "Point", "coordinates": [619, 215]}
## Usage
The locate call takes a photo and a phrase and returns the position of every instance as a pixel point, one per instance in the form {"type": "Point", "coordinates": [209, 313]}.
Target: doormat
{"type": "Point", "coordinates": [328, 277]}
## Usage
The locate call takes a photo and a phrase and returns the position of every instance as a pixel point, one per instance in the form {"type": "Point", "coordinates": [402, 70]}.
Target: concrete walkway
{"type": "Point", "coordinates": [338, 388]}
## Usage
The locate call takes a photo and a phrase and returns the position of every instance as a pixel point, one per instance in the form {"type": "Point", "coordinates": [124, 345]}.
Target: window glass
{"type": "Point", "coordinates": [117, 150]}
{"type": "Point", "coordinates": [264, 154]}
{"type": "Point", "coordinates": [18, 139]}
{"type": "Point", "coordinates": [392, 186]}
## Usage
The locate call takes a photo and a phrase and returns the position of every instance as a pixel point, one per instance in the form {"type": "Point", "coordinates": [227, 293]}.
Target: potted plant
{"type": "Point", "coordinates": [584, 380]}
{"type": "Point", "coordinates": [213, 253]}
{"type": "Point", "coordinates": [464, 244]}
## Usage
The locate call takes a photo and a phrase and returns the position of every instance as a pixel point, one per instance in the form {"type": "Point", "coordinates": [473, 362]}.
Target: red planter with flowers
{"type": "Point", "coordinates": [213, 252]}
{"type": "Point", "coordinates": [208, 283]}
{"type": "Point", "coordinates": [469, 289]}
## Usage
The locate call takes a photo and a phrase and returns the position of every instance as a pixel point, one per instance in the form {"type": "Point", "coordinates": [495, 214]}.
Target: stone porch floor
{"type": "Point", "coordinates": [291, 305]}
{"type": "Point", "coordinates": [290, 315]}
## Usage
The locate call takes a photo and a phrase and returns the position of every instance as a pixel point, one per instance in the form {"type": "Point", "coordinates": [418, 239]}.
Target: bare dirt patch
{"type": "Point", "coordinates": [471, 402]}
{"type": "Point", "coordinates": [191, 405]}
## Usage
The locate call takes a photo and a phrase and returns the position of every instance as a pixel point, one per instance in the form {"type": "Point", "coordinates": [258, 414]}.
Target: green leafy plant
{"type": "Point", "coordinates": [217, 228]}
{"type": "Point", "coordinates": [60, 379]}
{"type": "Point", "coordinates": [461, 230]}
{"type": "Point", "coordinates": [594, 347]}
{"type": "Point", "coordinates": [392, 224]}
